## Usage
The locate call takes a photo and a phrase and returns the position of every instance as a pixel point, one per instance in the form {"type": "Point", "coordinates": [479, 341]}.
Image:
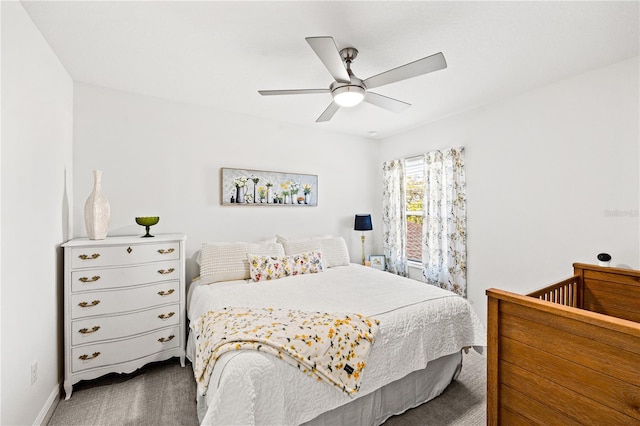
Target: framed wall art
{"type": "Point", "coordinates": [378, 261]}
{"type": "Point", "coordinates": [244, 187]}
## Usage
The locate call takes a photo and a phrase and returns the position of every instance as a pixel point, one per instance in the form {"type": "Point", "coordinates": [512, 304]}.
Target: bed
{"type": "Point", "coordinates": [415, 355]}
{"type": "Point", "coordinates": [568, 353]}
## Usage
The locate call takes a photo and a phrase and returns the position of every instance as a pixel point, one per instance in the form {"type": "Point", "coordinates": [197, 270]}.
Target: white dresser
{"type": "Point", "coordinates": [124, 304]}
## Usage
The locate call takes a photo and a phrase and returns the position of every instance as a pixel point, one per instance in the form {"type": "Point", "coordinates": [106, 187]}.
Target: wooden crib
{"type": "Point", "coordinates": [568, 353]}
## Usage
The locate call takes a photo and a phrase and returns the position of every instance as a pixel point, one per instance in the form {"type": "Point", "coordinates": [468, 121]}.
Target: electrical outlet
{"type": "Point", "coordinates": [34, 372]}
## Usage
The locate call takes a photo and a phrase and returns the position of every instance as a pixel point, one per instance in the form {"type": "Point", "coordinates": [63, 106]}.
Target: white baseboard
{"type": "Point", "coordinates": [49, 407]}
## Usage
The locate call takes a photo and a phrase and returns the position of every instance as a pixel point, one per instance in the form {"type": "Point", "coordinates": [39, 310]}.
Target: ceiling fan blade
{"type": "Point", "coordinates": [413, 69]}
{"type": "Point", "coordinates": [328, 113]}
{"type": "Point", "coordinates": [385, 102]}
{"type": "Point", "coordinates": [328, 53]}
{"type": "Point", "coordinates": [292, 92]}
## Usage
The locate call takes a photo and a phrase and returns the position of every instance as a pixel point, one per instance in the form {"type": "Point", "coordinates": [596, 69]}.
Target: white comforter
{"type": "Point", "coordinates": [418, 323]}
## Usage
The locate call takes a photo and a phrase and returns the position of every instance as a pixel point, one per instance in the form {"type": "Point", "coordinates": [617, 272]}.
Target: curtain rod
{"type": "Point", "coordinates": [413, 157]}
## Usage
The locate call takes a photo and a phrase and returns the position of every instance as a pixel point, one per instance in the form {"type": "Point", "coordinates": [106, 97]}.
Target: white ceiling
{"type": "Point", "coordinates": [219, 54]}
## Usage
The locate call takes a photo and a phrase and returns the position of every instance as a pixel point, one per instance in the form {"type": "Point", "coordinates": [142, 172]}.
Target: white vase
{"type": "Point", "coordinates": [97, 212]}
{"type": "Point", "coordinates": [240, 192]}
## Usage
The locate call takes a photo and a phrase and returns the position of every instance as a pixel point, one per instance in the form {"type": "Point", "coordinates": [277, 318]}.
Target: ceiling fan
{"type": "Point", "coordinates": [348, 90]}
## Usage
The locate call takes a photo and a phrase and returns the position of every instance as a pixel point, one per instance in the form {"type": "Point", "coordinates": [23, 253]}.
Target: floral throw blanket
{"type": "Point", "coordinates": [331, 347]}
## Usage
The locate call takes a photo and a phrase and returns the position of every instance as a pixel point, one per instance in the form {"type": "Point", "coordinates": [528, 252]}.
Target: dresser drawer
{"type": "Point", "coordinates": [101, 354]}
{"type": "Point", "coordinates": [98, 279]}
{"type": "Point", "coordinates": [98, 256]}
{"type": "Point", "coordinates": [114, 301]}
{"type": "Point", "coordinates": [114, 327]}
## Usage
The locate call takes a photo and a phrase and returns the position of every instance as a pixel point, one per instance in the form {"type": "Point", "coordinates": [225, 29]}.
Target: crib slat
{"type": "Point", "coordinates": [563, 292]}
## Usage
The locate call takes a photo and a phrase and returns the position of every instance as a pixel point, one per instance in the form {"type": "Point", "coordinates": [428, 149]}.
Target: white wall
{"type": "Point", "coordinates": [163, 158]}
{"type": "Point", "coordinates": [37, 124]}
{"type": "Point", "coordinates": [552, 178]}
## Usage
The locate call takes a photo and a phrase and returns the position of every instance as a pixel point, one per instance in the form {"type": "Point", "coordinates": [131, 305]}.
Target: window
{"type": "Point", "coordinates": [435, 179]}
{"type": "Point", "coordinates": [414, 194]}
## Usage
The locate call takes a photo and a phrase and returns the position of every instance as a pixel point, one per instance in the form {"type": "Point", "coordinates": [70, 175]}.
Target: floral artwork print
{"type": "Point", "coordinates": [254, 187]}
{"type": "Point", "coordinates": [330, 347]}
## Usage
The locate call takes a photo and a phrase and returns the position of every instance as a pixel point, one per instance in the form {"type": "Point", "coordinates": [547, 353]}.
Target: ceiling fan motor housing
{"type": "Point", "coordinates": [348, 94]}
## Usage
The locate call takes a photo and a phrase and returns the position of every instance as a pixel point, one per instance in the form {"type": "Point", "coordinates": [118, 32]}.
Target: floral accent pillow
{"type": "Point", "coordinates": [264, 267]}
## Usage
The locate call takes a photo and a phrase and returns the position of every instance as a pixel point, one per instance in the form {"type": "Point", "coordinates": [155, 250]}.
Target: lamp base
{"type": "Point", "coordinates": [362, 248]}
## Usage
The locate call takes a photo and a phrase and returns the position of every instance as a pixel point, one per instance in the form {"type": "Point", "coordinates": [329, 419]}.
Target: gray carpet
{"type": "Point", "coordinates": [463, 403]}
{"type": "Point", "coordinates": [161, 393]}
{"type": "Point", "coordinates": [164, 394]}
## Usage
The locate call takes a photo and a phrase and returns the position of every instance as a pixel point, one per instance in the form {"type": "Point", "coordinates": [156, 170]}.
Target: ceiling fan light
{"type": "Point", "coordinates": [348, 96]}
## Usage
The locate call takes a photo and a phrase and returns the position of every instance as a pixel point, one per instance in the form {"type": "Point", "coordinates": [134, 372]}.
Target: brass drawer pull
{"type": "Point", "coordinates": [168, 251]}
{"type": "Point", "coordinates": [87, 257]}
{"type": "Point", "coordinates": [89, 280]}
{"type": "Point", "coordinates": [165, 316]}
{"type": "Point", "coordinates": [163, 272]}
{"type": "Point", "coordinates": [88, 357]}
{"type": "Point", "coordinates": [166, 339]}
{"type": "Point", "coordinates": [87, 331]}
{"type": "Point", "coordinates": [88, 305]}
{"type": "Point", "coordinates": [166, 293]}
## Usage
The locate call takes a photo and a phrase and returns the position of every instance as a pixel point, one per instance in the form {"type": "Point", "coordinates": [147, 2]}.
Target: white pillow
{"type": "Point", "coordinates": [228, 261]}
{"type": "Point", "coordinates": [334, 252]}
{"type": "Point", "coordinates": [199, 252]}
{"type": "Point", "coordinates": [299, 245]}
{"type": "Point", "coordinates": [334, 249]}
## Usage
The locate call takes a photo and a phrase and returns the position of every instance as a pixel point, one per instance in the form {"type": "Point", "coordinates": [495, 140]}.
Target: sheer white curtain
{"type": "Point", "coordinates": [444, 229]}
{"type": "Point", "coordinates": [393, 217]}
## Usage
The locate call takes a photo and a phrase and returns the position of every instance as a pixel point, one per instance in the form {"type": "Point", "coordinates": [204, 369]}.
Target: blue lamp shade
{"type": "Point", "coordinates": [363, 223]}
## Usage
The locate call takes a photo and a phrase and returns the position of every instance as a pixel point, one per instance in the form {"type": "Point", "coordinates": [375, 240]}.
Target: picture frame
{"type": "Point", "coordinates": [247, 187]}
{"type": "Point", "coordinates": [378, 261]}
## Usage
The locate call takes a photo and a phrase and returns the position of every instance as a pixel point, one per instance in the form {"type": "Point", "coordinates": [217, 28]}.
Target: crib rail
{"type": "Point", "coordinates": [566, 292]}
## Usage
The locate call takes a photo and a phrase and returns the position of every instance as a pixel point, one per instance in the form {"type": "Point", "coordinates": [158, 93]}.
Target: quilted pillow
{"type": "Point", "coordinates": [263, 267]}
{"type": "Point", "coordinates": [228, 261]}
{"type": "Point", "coordinates": [334, 249]}
{"type": "Point", "coordinates": [334, 252]}
{"type": "Point", "coordinates": [299, 245]}
{"type": "Point", "coordinates": [199, 252]}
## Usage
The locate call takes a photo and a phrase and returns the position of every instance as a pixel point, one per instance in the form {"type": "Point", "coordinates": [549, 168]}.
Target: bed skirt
{"type": "Point", "coordinates": [376, 407]}
{"type": "Point", "coordinates": [397, 397]}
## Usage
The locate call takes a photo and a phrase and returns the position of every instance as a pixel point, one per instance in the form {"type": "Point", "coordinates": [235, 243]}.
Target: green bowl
{"type": "Point", "coordinates": [147, 220]}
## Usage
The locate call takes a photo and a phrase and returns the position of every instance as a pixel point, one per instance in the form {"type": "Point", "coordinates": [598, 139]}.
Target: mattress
{"type": "Point", "coordinates": [419, 323]}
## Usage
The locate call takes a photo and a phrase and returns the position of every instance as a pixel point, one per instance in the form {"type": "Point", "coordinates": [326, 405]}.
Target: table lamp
{"type": "Point", "coordinates": [363, 223]}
